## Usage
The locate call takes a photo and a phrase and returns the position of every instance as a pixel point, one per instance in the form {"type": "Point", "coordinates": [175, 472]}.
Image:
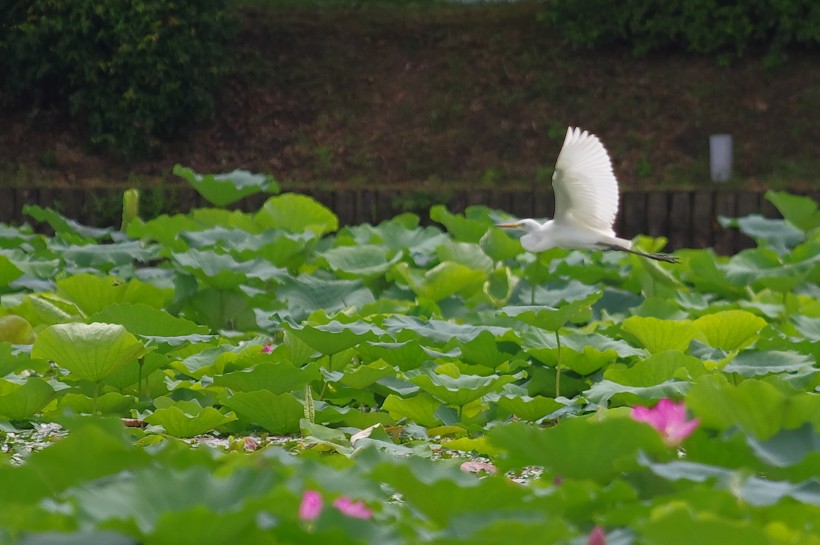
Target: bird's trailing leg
{"type": "Point", "coordinates": [657, 257]}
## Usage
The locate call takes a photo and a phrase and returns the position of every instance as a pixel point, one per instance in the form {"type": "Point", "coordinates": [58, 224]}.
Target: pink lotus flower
{"type": "Point", "coordinates": [477, 466]}
{"type": "Point", "coordinates": [669, 418]}
{"type": "Point", "coordinates": [352, 509]}
{"type": "Point", "coordinates": [311, 505]}
{"type": "Point", "coordinates": [267, 349]}
{"type": "Point", "coordinates": [597, 536]}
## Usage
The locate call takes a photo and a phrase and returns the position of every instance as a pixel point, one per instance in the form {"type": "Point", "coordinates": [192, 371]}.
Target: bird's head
{"type": "Point", "coordinates": [528, 225]}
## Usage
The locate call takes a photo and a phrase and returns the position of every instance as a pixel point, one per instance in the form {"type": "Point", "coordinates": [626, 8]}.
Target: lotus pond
{"type": "Point", "coordinates": [269, 377]}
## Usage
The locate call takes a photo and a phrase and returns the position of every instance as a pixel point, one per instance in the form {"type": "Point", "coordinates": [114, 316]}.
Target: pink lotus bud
{"type": "Point", "coordinates": [311, 505]}
{"type": "Point", "coordinates": [476, 466]}
{"type": "Point", "coordinates": [352, 509]}
{"type": "Point", "coordinates": [669, 418]}
{"type": "Point", "coordinates": [250, 444]}
{"type": "Point", "coordinates": [597, 536]}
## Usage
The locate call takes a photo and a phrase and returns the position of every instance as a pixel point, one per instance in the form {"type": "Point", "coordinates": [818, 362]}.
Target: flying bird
{"type": "Point", "coordinates": [586, 202]}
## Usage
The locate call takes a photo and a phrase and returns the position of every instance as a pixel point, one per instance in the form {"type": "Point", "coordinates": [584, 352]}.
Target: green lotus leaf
{"type": "Point", "coordinates": [93, 293]}
{"type": "Point", "coordinates": [23, 401]}
{"type": "Point", "coordinates": [334, 336]}
{"type": "Point", "coordinates": [443, 493]}
{"type": "Point", "coordinates": [306, 294]}
{"type": "Point", "coordinates": [461, 228]}
{"type": "Point", "coordinates": [552, 318]}
{"type": "Point", "coordinates": [329, 438]}
{"type": "Point", "coordinates": [499, 246]}
{"type": "Point", "coordinates": [11, 361]}
{"type": "Point", "coordinates": [461, 390]}
{"type": "Point", "coordinates": [165, 230]}
{"type": "Point", "coordinates": [188, 418]}
{"type": "Point", "coordinates": [221, 309]}
{"type": "Point", "coordinates": [108, 404]}
{"type": "Point", "coordinates": [363, 376]}
{"type": "Point", "coordinates": [749, 363]}
{"type": "Point", "coordinates": [484, 350]}
{"type": "Point", "coordinates": [656, 369]}
{"type": "Point", "coordinates": [223, 272]}
{"type": "Point", "coordinates": [529, 408]}
{"type": "Point", "coordinates": [229, 239]}
{"type": "Point", "coordinates": [227, 188]}
{"type": "Point", "coordinates": [8, 271]}
{"type": "Point", "coordinates": [808, 326]}
{"type": "Point", "coordinates": [499, 286]}
{"type": "Point", "coordinates": [153, 323]}
{"type": "Point", "coordinates": [578, 448]}
{"type": "Point", "coordinates": [788, 447]}
{"type": "Point", "coordinates": [95, 447]}
{"type": "Point", "coordinates": [441, 331]}
{"type": "Point", "coordinates": [682, 525]}
{"type": "Point", "coordinates": [607, 392]}
{"type": "Point", "coordinates": [147, 494]}
{"type": "Point", "coordinates": [779, 234]}
{"type": "Point", "coordinates": [419, 243]}
{"type": "Point", "coordinates": [703, 271]}
{"type": "Point", "coordinates": [276, 377]}
{"type": "Point", "coordinates": [64, 225]}
{"type": "Point", "coordinates": [296, 213]}
{"type": "Point", "coordinates": [661, 335]}
{"type": "Point", "coordinates": [107, 256]}
{"type": "Point", "coordinates": [730, 329]}
{"type": "Point", "coordinates": [759, 408]}
{"type": "Point", "coordinates": [419, 409]}
{"type": "Point", "coordinates": [48, 309]}
{"type": "Point", "coordinates": [442, 281]}
{"type": "Point", "coordinates": [277, 413]}
{"type": "Point", "coordinates": [764, 267]}
{"type": "Point", "coordinates": [464, 253]}
{"type": "Point", "coordinates": [90, 351]}
{"type": "Point", "coordinates": [404, 355]}
{"type": "Point", "coordinates": [360, 261]}
{"type": "Point", "coordinates": [199, 524]}
{"type": "Point", "coordinates": [206, 359]}
{"type": "Point", "coordinates": [799, 211]}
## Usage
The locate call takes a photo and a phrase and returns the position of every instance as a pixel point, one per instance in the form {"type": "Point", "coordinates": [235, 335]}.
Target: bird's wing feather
{"type": "Point", "coordinates": [586, 190]}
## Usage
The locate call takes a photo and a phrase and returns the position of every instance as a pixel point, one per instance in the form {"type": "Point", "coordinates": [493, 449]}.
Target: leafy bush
{"type": "Point", "coordinates": [703, 26]}
{"type": "Point", "coordinates": [131, 72]}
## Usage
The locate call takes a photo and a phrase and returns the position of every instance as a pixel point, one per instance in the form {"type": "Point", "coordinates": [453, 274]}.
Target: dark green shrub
{"type": "Point", "coordinates": [132, 72]}
{"type": "Point", "coordinates": [718, 27]}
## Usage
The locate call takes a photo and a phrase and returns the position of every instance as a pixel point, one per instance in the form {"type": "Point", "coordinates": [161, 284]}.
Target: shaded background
{"type": "Point", "coordinates": [425, 94]}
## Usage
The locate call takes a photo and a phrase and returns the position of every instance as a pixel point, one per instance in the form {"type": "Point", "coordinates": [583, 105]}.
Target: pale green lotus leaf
{"type": "Point", "coordinates": [89, 351]}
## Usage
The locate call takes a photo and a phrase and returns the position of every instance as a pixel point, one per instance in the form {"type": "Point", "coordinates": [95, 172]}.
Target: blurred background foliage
{"type": "Point", "coordinates": [393, 92]}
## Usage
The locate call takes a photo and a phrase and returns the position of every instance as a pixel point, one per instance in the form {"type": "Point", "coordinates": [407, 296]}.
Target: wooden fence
{"type": "Point", "coordinates": [687, 218]}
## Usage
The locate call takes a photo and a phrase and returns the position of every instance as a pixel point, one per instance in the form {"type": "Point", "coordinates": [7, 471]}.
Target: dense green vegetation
{"type": "Point", "coordinates": [727, 30]}
{"type": "Point", "coordinates": [287, 381]}
{"type": "Point", "coordinates": [416, 94]}
{"type": "Point", "coordinates": [131, 73]}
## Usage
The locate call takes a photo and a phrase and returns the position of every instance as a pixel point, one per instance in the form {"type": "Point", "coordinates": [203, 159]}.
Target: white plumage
{"type": "Point", "coordinates": [586, 202]}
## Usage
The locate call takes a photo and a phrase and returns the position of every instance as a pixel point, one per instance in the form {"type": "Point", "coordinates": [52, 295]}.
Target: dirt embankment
{"type": "Point", "coordinates": [458, 95]}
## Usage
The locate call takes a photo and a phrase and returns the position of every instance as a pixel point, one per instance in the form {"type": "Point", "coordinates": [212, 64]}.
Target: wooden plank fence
{"type": "Point", "coordinates": [688, 218]}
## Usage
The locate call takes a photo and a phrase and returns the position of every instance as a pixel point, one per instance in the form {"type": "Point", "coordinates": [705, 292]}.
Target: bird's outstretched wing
{"type": "Point", "coordinates": [586, 190]}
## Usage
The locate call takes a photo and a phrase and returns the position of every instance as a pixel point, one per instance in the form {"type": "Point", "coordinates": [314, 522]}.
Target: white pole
{"type": "Point", "coordinates": [720, 157]}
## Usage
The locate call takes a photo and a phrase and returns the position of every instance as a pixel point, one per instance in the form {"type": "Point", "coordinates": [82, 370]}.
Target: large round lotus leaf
{"type": "Point", "coordinates": [90, 351]}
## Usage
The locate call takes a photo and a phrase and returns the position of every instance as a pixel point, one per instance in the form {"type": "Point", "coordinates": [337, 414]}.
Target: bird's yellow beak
{"type": "Point", "coordinates": [515, 225]}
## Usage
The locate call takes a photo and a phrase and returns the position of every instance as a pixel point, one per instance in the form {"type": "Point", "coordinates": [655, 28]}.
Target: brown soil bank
{"type": "Point", "coordinates": [458, 95]}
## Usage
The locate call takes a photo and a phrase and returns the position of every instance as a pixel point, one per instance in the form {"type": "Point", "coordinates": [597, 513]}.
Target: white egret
{"type": "Point", "coordinates": [586, 202]}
